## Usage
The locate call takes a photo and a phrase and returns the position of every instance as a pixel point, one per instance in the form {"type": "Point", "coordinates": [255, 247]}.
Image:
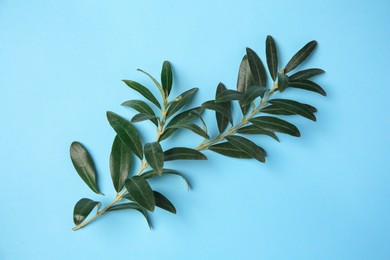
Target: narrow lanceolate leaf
{"type": "Point", "coordinates": [228, 95]}
{"type": "Point", "coordinates": [141, 107]}
{"type": "Point", "coordinates": [255, 130]}
{"type": "Point", "coordinates": [141, 192]}
{"type": "Point", "coordinates": [257, 69]}
{"type": "Point", "coordinates": [163, 202]}
{"type": "Point", "coordinates": [82, 209]}
{"type": "Point", "coordinates": [126, 132]}
{"type": "Point", "coordinates": [306, 74]}
{"type": "Point", "coordinates": [307, 85]}
{"type": "Point", "coordinates": [272, 56]}
{"type": "Point", "coordinates": [166, 77]}
{"type": "Point", "coordinates": [244, 80]}
{"type": "Point", "coordinates": [182, 118]}
{"type": "Point", "coordinates": [251, 94]}
{"type": "Point", "coordinates": [300, 56]}
{"type": "Point", "coordinates": [154, 81]}
{"type": "Point", "coordinates": [220, 108]}
{"type": "Point", "coordinates": [120, 163]}
{"type": "Point", "coordinates": [182, 153]}
{"type": "Point", "coordinates": [83, 163]}
{"type": "Point", "coordinates": [143, 117]}
{"type": "Point", "coordinates": [282, 82]}
{"type": "Point", "coordinates": [153, 173]}
{"type": "Point", "coordinates": [181, 101]}
{"type": "Point", "coordinates": [134, 206]}
{"type": "Point", "coordinates": [222, 121]}
{"type": "Point", "coordinates": [275, 124]}
{"type": "Point", "coordinates": [229, 150]}
{"type": "Point", "coordinates": [293, 107]}
{"type": "Point", "coordinates": [192, 127]}
{"type": "Point", "coordinates": [275, 110]}
{"type": "Point", "coordinates": [143, 91]}
{"type": "Point", "coordinates": [248, 147]}
{"type": "Point", "coordinates": [154, 156]}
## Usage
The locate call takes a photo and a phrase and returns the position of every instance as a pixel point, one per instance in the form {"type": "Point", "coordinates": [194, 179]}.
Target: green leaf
{"type": "Point", "coordinates": [311, 108]}
{"type": "Point", "coordinates": [142, 117]}
{"type": "Point", "coordinates": [182, 153]}
{"type": "Point", "coordinates": [275, 125]}
{"type": "Point", "coordinates": [307, 85]}
{"type": "Point", "coordinates": [228, 95]}
{"type": "Point", "coordinates": [220, 108]}
{"type": "Point", "coordinates": [306, 74]}
{"type": "Point", "coordinates": [153, 173]}
{"type": "Point", "coordinates": [192, 127]}
{"type": "Point", "coordinates": [248, 147]}
{"type": "Point", "coordinates": [257, 69]}
{"type": "Point", "coordinates": [126, 132]}
{"type": "Point", "coordinates": [275, 110]}
{"type": "Point", "coordinates": [222, 121]}
{"type": "Point", "coordinates": [143, 91]}
{"type": "Point", "coordinates": [255, 130]}
{"type": "Point", "coordinates": [163, 202]}
{"type": "Point", "coordinates": [182, 118]}
{"type": "Point", "coordinates": [293, 107]}
{"type": "Point", "coordinates": [272, 56]}
{"type": "Point", "coordinates": [251, 94]}
{"type": "Point", "coordinates": [244, 80]}
{"type": "Point", "coordinates": [229, 150]}
{"type": "Point", "coordinates": [166, 77]}
{"type": "Point", "coordinates": [120, 163]}
{"type": "Point", "coordinates": [83, 163]}
{"type": "Point", "coordinates": [282, 82]}
{"type": "Point", "coordinates": [141, 107]}
{"type": "Point", "coordinates": [154, 81]}
{"type": "Point", "coordinates": [141, 192]}
{"type": "Point", "coordinates": [83, 208]}
{"type": "Point", "coordinates": [181, 101]}
{"type": "Point", "coordinates": [300, 56]}
{"type": "Point", "coordinates": [154, 156]}
{"type": "Point", "coordinates": [132, 205]}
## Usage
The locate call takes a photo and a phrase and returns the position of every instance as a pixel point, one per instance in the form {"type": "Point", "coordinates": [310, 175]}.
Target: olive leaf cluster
{"type": "Point", "coordinates": [260, 116]}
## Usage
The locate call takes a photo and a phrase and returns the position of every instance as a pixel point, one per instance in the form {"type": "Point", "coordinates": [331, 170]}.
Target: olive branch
{"type": "Point", "coordinates": [254, 98]}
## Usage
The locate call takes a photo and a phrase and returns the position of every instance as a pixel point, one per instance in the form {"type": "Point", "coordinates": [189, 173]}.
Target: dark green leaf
{"type": "Point", "coordinates": [132, 205]}
{"type": "Point", "coordinates": [228, 95]}
{"type": "Point", "coordinates": [272, 57]}
{"type": "Point", "coordinates": [257, 69]}
{"type": "Point", "coordinates": [126, 132]}
{"type": "Point", "coordinates": [275, 125]}
{"type": "Point", "coordinates": [306, 74]}
{"type": "Point", "coordinates": [140, 191]}
{"type": "Point", "coordinates": [300, 56]}
{"type": "Point", "coordinates": [154, 81]}
{"type": "Point", "coordinates": [192, 127]}
{"type": "Point", "coordinates": [143, 91]}
{"type": "Point", "coordinates": [275, 110]}
{"type": "Point", "coordinates": [180, 101]}
{"type": "Point", "coordinates": [82, 209]}
{"type": "Point", "coordinates": [248, 147]}
{"type": "Point", "coordinates": [311, 108]}
{"type": "Point", "coordinates": [282, 82]}
{"type": "Point", "coordinates": [251, 94]}
{"type": "Point", "coordinates": [83, 163]}
{"type": "Point", "coordinates": [229, 150]}
{"type": "Point", "coordinates": [152, 174]}
{"type": "Point", "coordinates": [222, 121]}
{"type": "Point", "coordinates": [307, 85]}
{"type": "Point", "coordinates": [142, 117]}
{"type": "Point", "coordinates": [218, 107]}
{"type": "Point", "coordinates": [154, 156]}
{"type": "Point", "coordinates": [293, 107]}
{"type": "Point", "coordinates": [166, 77]}
{"type": "Point", "coordinates": [244, 80]}
{"type": "Point", "coordinates": [163, 202]}
{"type": "Point", "coordinates": [255, 130]}
{"type": "Point", "coordinates": [182, 153]}
{"type": "Point", "coordinates": [141, 107]}
{"type": "Point", "coordinates": [120, 163]}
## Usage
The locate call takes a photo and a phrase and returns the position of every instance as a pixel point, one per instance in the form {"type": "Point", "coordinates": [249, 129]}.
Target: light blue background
{"type": "Point", "coordinates": [323, 196]}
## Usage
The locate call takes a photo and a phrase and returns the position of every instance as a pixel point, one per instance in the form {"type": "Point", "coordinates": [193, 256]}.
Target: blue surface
{"type": "Point", "coordinates": [323, 196]}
